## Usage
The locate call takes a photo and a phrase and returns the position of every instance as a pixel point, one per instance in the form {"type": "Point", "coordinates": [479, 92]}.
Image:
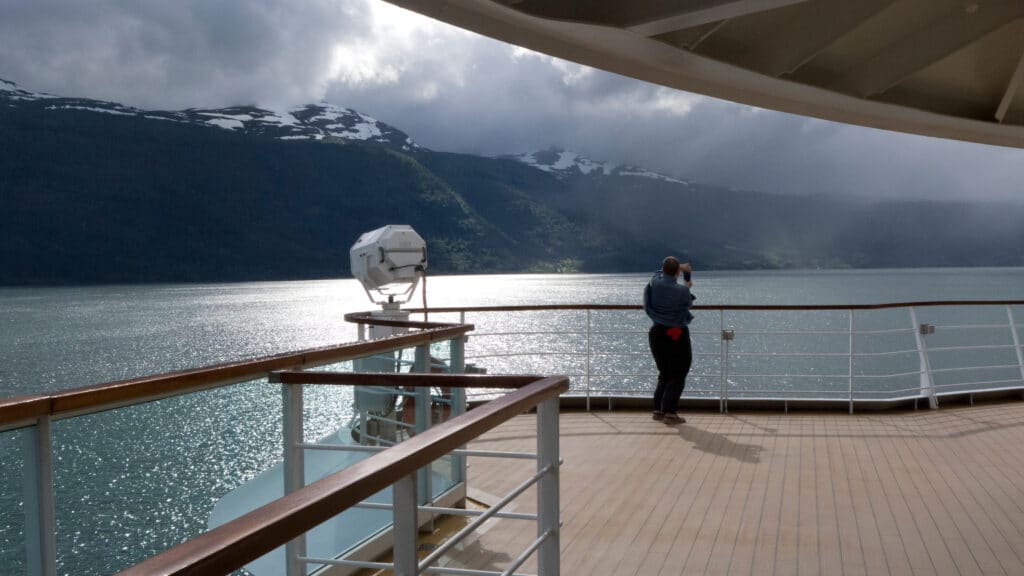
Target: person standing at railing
{"type": "Point", "coordinates": [667, 303]}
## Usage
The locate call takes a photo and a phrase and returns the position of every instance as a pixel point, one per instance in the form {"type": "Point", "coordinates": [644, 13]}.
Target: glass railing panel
{"type": "Point", "coordinates": [776, 321]}
{"type": "Point", "coordinates": [800, 346]}
{"type": "Point", "coordinates": [942, 316]}
{"type": "Point", "coordinates": [502, 340]}
{"type": "Point", "coordinates": [444, 475]}
{"type": "Point", "coordinates": [134, 481]}
{"type": "Point", "coordinates": [376, 416]}
{"type": "Point", "coordinates": [327, 408]}
{"type": "Point", "coordinates": [12, 502]}
{"type": "Point", "coordinates": [375, 425]}
{"type": "Point", "coordinates": [886, 363]}
{"type": "Point", "coordinates": [972, 348]}
{"type": "Point", "coordinates": [441, 357]}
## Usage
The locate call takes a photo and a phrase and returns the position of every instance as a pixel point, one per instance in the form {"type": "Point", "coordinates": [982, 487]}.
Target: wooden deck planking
{"type": "Point", "coordinates": [735, 518]}
{"type": "Point", "coordinates": [637, 499]}
{"type": "Point", "coordinates": [752, 515]}
{"type": "Point", "coordinates": [649, 518]}
{"type": "Point", "coordinates": [983, 521]}
{"type": "Point", "coordinates": [991, 509]}
{"type": "Point", "coordinates": [718, 526]}
{"type": "Point", "coordinates": [928, 492]}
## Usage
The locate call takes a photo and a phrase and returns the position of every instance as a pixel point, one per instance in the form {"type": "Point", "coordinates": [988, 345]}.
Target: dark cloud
{"type": "Point", "coordinates": [176, 54]}
{"type": "Point", "coordinates": [452, 90]}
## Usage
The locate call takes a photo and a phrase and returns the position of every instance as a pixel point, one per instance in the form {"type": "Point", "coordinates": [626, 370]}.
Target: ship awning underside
{"type": "Point", "coordinates": [944, 68]}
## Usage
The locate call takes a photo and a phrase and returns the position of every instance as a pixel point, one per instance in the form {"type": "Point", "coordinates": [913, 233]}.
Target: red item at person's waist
{"type": "Point", "coordinates": [674, 333]}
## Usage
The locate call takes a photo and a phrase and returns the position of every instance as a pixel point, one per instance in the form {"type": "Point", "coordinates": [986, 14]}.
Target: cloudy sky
{"type": "Point", "coordinates": [453, 90]}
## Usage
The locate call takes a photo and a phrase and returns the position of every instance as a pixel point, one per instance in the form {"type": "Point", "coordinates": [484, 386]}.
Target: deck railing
{"type": "Point", "coordinates": [285, 520]}
{"type": "Point", "coordinates": [887, 353]}
{"type": "Point", "coordinates": [409, 481]}
{"type": "Point", "coordinates": [869, 355]}
{"type": "Point", "coordinates": [33, 416]}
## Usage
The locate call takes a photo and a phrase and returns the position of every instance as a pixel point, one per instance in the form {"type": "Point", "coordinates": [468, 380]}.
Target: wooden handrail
{"type": "Point", "coordinates": [369, 318]}
{"type": "Point", "coordinates": [96, 398]}
{"type": "Point", "coordinates": [545, 307]}
{"type": "Point", "coordinates": [23, 409]}
{"type": "Point", "coordinates": [405, 379]}
{"type": "Point", "coordinates": [231, 545]}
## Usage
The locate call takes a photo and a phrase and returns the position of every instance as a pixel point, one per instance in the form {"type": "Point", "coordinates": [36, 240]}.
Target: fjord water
{"type": "Point", "coordinates": [132, 482]}
{"type": "Point", "coordinates": [60, 338]}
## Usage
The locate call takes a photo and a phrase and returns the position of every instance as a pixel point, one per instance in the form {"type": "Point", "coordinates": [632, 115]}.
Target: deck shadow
{"type": "Point", "coordinates": [721, 444]}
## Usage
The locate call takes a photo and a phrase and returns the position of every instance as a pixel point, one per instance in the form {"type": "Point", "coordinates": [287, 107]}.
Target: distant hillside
{"type": "Point", "coordinates": [95, 192]}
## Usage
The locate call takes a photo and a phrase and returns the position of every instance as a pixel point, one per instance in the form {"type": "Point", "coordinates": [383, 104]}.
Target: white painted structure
{"type": "Point", "coordinates": [944, 68]}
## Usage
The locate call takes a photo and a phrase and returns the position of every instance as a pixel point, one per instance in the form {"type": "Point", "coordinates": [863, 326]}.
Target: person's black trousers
{"type": "Point", "coordinates": [673, 358]}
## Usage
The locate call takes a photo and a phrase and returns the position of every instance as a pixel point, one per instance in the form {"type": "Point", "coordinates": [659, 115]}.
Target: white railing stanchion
{"type": "Point", "coordinates": [587, 377]}
{"type": "Point", "coordinates": [294, 469]}
{"type": "Point", "coordinates": [851, 360]}
{"type": "Point", "coordinates": [548, 520]}
{"type": "Point", "coordinates": [927, 384]}
{"type": "Point", "coordinates": [721, 361]}
{"type": "Point", "coordinates": [458, 398]}
{"type": "Point", "coordinates": [406, 527]}
{"type": "Point", "coordinates": [423, 401]}
{"type": "Point", "coordinates": [1016, 342]}
{"type": "Point", "coordinates": [40, 520]}
{"type": "Point", "coordinates": [726, 337]}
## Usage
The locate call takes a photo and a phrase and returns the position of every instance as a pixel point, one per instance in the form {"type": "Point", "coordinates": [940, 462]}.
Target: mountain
{"type": "Point", "coordinates": [309, 122]}
{"type": "Point", "coordinates": [97, 192]}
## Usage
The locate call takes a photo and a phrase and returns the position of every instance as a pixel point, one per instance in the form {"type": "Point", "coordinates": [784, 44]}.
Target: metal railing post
{"type": "Point", "coordinates": [721, 361]}
{"type": "Point", "coordinates": [1016, 342]}
{"type": "Point", "coordinates": [458, 399]}
{"type": "Point", "coordinates": [548, 520]}
{"type": "Point", "coordinates": [423, 397]}
{"type": "Point", "coordinates": [40, 520]}
{"type": "Point", "coordinates": [727, 337]}
{"type": "Point", "coordinates": [406, 526]}
{"type": "Point", "coordinates": [294, 469]}
{"type": "Point", "coordinates": [851, 360]}
{"type": "Point", "coordinates": [587, 376]}
{"type": "Point", "coordinates": [927, 384]}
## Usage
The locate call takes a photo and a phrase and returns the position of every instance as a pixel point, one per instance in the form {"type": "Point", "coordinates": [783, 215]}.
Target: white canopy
{"type": "Point", "coordinates": [946, 68]}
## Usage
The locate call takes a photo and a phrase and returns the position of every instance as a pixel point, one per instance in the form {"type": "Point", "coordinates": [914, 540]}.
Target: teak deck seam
{"type": "Point", "coordinates": [928, 492]}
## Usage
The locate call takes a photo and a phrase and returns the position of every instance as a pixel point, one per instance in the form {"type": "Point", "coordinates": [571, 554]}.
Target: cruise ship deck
{"type": "Point", "coordinates": [916, 492]}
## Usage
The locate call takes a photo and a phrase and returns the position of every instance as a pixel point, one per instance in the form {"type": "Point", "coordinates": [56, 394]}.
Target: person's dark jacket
{"type": "Point", "coordinates": [667, 302]}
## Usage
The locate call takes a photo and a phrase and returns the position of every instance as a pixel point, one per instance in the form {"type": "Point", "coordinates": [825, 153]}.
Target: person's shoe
{"type": "Point", "coordinates": [658, 415]}
{"type": "Point", "coordinates": [673, 418]}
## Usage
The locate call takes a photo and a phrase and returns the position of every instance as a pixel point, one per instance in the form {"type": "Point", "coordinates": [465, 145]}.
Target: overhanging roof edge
{"type": "Point", "coordinates": [634, 55]}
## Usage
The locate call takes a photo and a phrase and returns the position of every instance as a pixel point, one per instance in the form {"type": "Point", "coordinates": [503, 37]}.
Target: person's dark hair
{"type": "Point", "coordinates": [670, 266]}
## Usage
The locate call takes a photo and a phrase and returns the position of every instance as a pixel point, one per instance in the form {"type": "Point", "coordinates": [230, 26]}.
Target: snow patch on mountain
{"type": "Point", "coordinates": [226, 123]}
{"type": "Point", "coordinates": [562, 161]}
{"type": "Point", "coordinates": [310, 122]}
{"type": "Point", "coordinates": [114, 111]}
{"type": "Point", "coordinates": [634, 171]}
{"type": "Point", "coordinates": [15, 92]}
{"type": "Point", "coordinates": [565, 163]}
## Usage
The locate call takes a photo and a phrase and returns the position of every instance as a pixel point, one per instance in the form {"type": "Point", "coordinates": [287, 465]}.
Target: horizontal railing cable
{"type": "Point", "coordinates": [232, 545]}
{"type": "Point", "coordinates": [476, 522]}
